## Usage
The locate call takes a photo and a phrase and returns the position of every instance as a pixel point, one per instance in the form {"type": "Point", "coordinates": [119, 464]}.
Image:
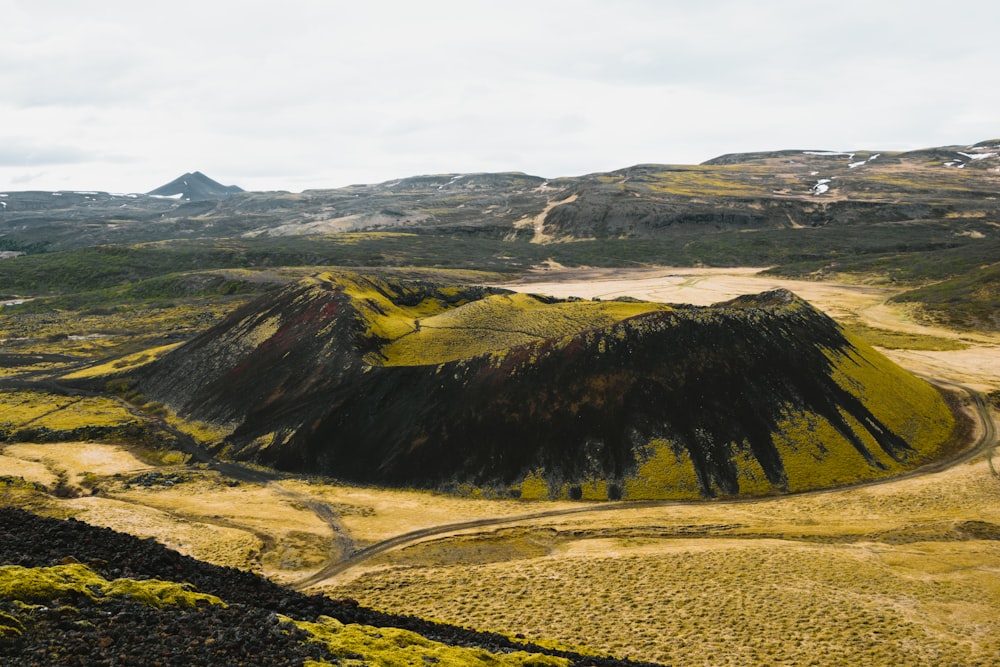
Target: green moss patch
{"type": "Point", "coordinates": [45, 584]}
{"type": "Point", "coordinates": [355, 644]}
{"type": "Point", "coordinates": [900, 340]}
{"type": "Point", "coordinates": [500, 322]}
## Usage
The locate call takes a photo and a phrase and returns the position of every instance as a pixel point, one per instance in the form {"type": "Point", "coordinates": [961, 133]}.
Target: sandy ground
{"type": "Point", "coordinates": [78, 458]}
{"type": "Point", "coordinates": [978, 366]}
{"type": "Point", "coordinates": [701, 287]}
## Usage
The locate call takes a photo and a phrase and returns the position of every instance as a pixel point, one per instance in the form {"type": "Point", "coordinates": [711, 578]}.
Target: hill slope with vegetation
{"type": "Point", "coordinates": [421, 384]}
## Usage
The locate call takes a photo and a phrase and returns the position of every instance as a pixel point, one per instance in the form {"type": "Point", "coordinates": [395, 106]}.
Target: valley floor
{"type": "Point", "coordinates": [901, 572]}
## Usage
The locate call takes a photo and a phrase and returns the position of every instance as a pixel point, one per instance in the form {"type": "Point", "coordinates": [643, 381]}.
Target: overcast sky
{"type": "Point", "coordinates": [297, 94]}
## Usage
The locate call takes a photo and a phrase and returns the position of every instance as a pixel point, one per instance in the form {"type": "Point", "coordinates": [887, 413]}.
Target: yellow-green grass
{"type": "Point", "coordinates": [45, 584]}
{"type": "Point", "coordinates": [909, 406]}
{"type": "Point", "coordinates": [713, 180]}
{"type": "Point", "coordinates": [726, 602]}
{"type": "Point", "coordinates": [126, 363]}
{"type": "Point", "coordinates": [204, 432]}
{"type": "Point", "coordinates": [719, 180]}
{"type": "Point", "coordinates": [902, 340]}
{"type": "Point", "coordinates": [879, 562]}
{"type": "Point", "coordinates": [443, 326]}
{"type": "Point", "coordinates": [16, 491]}
{"type": "Point", "coordinates": [384, 318]}
{"type": "Point", "coordinates": [40, 410]}
{"type": "Point", "coordinates": [934, 180]}
{"type": "Point", "coordinates": [121, 333]}
{"type": "Point", "coordinates": [500, 322]}
{"type": "Point", "coordinates": [93, 328]}
{"type": "Point", "coordinates": [354, 644]}
{"type": "Point", "coordinates": [815, 455]}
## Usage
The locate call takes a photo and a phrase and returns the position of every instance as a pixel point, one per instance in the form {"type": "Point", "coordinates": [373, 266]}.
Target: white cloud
{"type": "Point", "coordinates": [310, 93]}
{"type": "Point", "coordinates": [21, 152]}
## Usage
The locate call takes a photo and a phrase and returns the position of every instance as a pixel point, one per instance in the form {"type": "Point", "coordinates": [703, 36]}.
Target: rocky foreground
{"type": "Point", "coordinates": [256, 625]}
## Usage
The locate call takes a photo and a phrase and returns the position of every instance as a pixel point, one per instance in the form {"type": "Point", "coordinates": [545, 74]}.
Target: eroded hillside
{"type": "Point", "coordinates": [470, 388]}
{"type": "Point", "coordinates": [786, 189]}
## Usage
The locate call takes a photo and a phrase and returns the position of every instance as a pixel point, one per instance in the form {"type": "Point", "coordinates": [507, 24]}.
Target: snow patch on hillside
{"type": "Point", "coordinates": [822, 185]}
{"type": "Point", "coordinates": [977, 156]}
{"type": "Point", "coordinates": [828, 153]}
{"type": "Point", "coordinates": [451, 182]}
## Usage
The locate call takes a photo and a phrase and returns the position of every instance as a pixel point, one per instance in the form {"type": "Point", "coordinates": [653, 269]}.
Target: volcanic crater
{"type": "Point", "coordinates": [378, 380]}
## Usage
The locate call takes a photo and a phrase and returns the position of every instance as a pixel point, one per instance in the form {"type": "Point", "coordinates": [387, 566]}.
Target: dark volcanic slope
{"type": "Point", "coordinates": [757, 395]}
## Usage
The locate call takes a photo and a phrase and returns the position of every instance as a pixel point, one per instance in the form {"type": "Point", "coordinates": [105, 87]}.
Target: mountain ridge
{"type": "Point", "coordinates": [747, 191]}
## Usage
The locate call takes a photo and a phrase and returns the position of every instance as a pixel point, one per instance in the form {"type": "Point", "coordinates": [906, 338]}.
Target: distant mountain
{"type": "Point", "coordinates": [194, 186]}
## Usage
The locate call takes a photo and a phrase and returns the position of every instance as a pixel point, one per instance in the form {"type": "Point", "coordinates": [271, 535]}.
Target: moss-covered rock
{"type": "Point", "coordinates": [45, 584]}
{"type": "Point", "coordinates": [355, 644]}
{"type": "Point", "coordinates": [10, 626]}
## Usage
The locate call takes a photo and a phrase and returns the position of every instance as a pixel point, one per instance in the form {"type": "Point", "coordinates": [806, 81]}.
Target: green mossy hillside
{"type": "Point", "coordinates": [41, 416]}
{"type": "Point", "coordinates": [502, 321]}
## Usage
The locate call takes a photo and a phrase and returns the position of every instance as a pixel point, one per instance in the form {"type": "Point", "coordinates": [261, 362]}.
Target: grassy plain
{"type": "Point", "coordinates": [900, 573]}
